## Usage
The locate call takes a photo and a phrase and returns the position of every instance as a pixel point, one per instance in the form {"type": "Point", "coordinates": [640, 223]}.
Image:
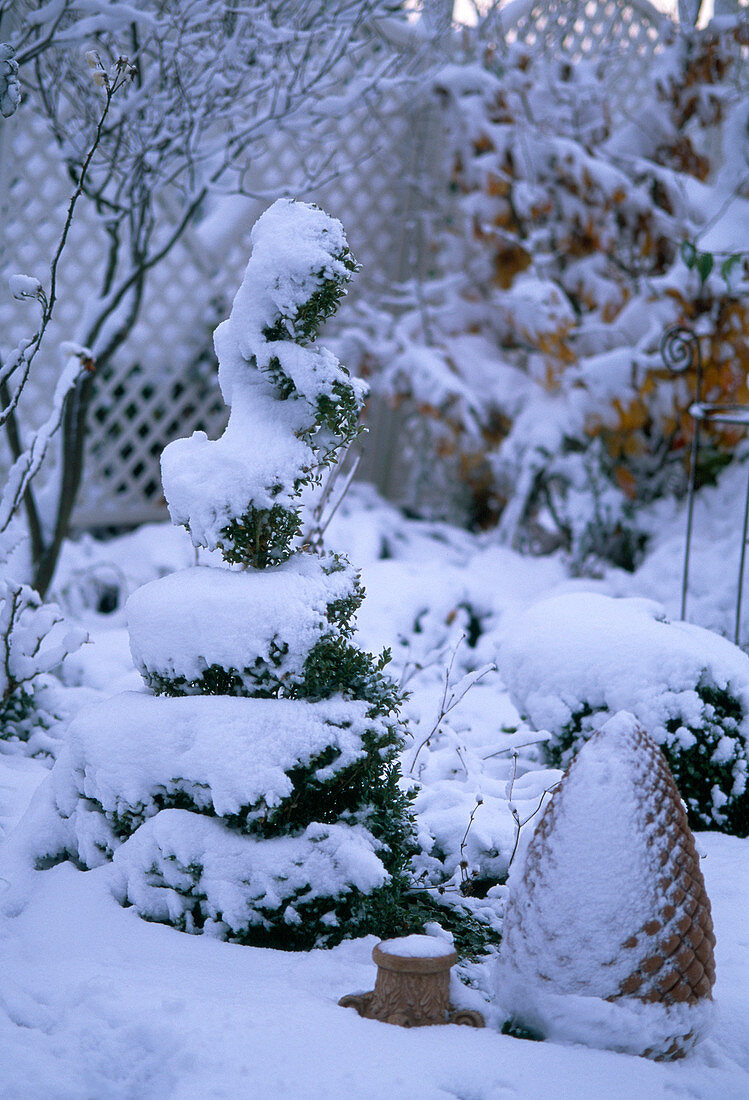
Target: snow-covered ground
{"type": "Point", "coordinates": [96, 1003]}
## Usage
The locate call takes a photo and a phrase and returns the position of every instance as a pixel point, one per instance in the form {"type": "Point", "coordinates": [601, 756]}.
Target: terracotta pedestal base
{"type": "Point", "coordinates": [411, 991]}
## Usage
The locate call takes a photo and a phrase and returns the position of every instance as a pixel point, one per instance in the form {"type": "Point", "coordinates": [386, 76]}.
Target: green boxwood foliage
{"type": "Point", "coordinates": [704, 759]}
{"type": "Point", "coordinates": [314, 789]}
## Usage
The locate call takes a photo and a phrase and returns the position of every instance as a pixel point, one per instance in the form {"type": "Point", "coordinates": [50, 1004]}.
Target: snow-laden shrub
{"type": "Point", "coordinates": [33, 642]}
{"type": "Point", "coordinates": [535, 332]}
{"type": "Point", "coordinates": [253, 791]}
{"type": "Point", "coordinates": [571, 661]}
{"type": "Point", "coordinates": [595, 519]}
{"type": "Point", "coordinates": [252, 476]}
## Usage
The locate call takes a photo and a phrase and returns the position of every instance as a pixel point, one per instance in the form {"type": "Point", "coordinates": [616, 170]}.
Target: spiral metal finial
{"type": "Point", "coordinates": [680, 351]}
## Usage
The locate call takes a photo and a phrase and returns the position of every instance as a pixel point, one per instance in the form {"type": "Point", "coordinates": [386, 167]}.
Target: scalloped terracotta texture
{"type": "Point", "coordinates": [667, 957]}
{"type": "Point", "coordinates": [679, 966]}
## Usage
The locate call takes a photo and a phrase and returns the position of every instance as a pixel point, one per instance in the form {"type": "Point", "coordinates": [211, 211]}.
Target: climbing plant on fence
{"type": "Point", "coordinates": [533, 352]}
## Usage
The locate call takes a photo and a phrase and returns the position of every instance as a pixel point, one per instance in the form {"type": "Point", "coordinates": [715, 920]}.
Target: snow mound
{"type": "Point", "coordinates": [302, 246]}
{"type": "Point", "coordinates": [136, 753]}
{"type": "Point", "coordinates": [613, 654]}
{"type": "Point", "coordinates": [257, 461]}
{"type": "Point", "coordinates": [179, 864]}
{"type": "Point", "coordinates": [187, 622]}
{"type": "Point", "coordinates": [417, 947]}
{"type": "Point", "coordinates": [609, 910]}
{"type": "Point", "coordinates": [573, 660]}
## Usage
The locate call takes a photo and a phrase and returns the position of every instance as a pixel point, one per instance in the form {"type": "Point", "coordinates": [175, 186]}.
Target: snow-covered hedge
{"type": "Point", "coordinates": [211, 754]}
{"type": "Point", "coordinates": [180, 866]}
{"type": "Point", "coordinates": [182, 793]}
{"type": "Point", "coordinates": [34, 641]}
{"type": "Point", "coordinates": [571, 661]}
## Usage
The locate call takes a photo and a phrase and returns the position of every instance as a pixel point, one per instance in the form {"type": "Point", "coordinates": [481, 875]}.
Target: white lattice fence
{"type": "Point", "coordinates": [153, 383]}
{"type": "Point", "coordinates": [592, 30]}
{"type": "Point", "coordinates": [620, 36]}
{"type": "Point", "coordinates": [162, 384]}
{"type": "Point", "coordinates": [138, 409]}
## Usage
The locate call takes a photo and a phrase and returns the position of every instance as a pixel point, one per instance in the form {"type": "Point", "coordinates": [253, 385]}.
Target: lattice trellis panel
{"type": "Point", "coordinates": [173, 330]}
{"type": "Point", "coordinates": [383, 188]}
{"type": "Point", "coordinates": [590, 29]}
{"type": "Point", "coordinates": [133, 418]}
{"type": "Point", "coordinates": [163, 384]}
{"type": "Point", "coordinates": [621, 35]}
{"type": "Point", "coordinates": [371, 185]}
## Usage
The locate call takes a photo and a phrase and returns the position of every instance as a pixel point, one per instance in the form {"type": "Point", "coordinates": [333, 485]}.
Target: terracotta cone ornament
{"type": "Point", "coordinates": [413, 985]}
{"type": "Point", "coordinates": [608, 938]}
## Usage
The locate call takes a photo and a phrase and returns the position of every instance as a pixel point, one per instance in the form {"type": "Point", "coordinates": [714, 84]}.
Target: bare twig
{"type": "Point", "coordinates": [442, 709]}
{"type": "Point", "coordinates": [519, 825]}
{"type": "Point", "coordinates": [27, 351]}
{"type": "Point", "coordinates": [463, 864]}
{"type": "Point", "coordinates": [320, 518]}
{"type": "Point", "coordinates": [451, 696]}
{"type": "Point", "coordinates": [513, 748]}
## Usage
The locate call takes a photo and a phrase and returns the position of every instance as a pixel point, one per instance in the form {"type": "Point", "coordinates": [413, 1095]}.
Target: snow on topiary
{"type": "Point", "coordinates": [608, 938]}
{"type": "Point", "coordinates": [293, 406]}
{"type": "Point", "coordinates": [570, 661]}
{"type": "Point", "coordinates": [248, 639]}
{"type": "Point", "coordinates": [253, 790]}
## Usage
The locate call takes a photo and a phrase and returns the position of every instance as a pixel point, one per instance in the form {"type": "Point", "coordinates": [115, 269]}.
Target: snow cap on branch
{"type": "Point", "coordinates": [24, 286]}
{"type": "Point", "coordinates": [10, 89]}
